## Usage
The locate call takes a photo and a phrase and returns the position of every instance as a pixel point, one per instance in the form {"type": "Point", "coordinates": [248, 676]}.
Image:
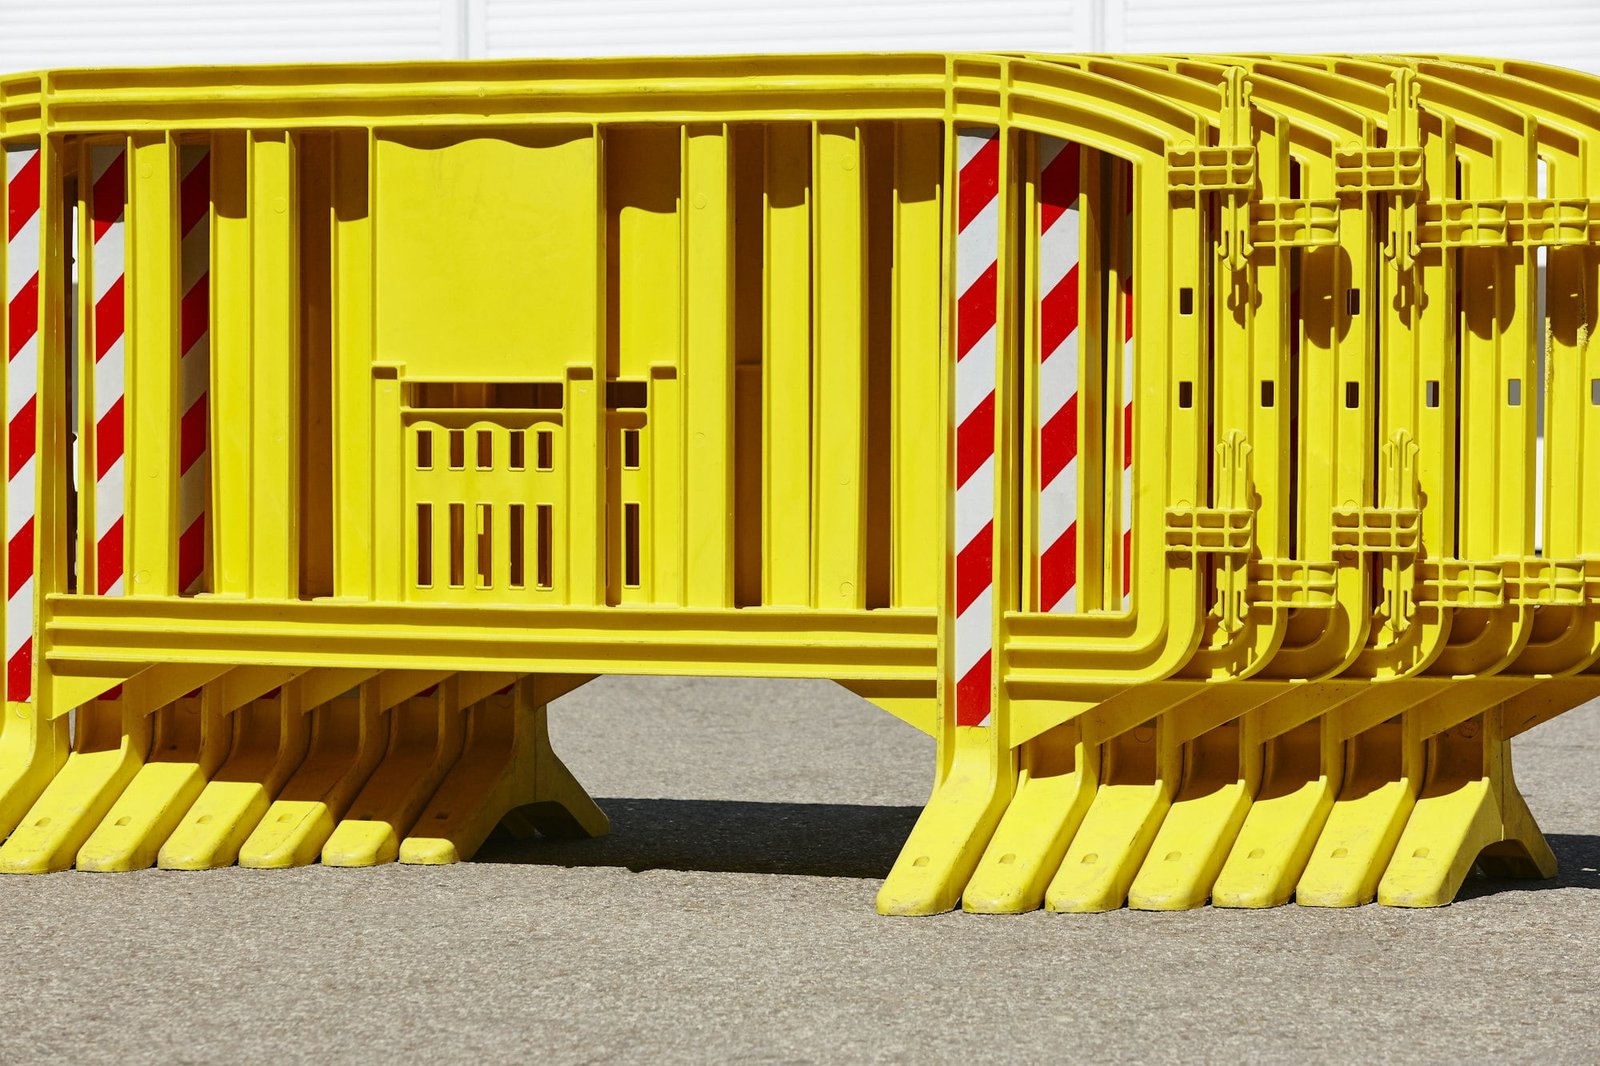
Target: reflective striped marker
{"type": "Point", "coordinates": [194, 369]}
{"type": "Point", "coordinates": [22, 395]}
{"type": "Point", "coordinates": [1127, 400]}
{"type": "Point", "coordinates": [108, 268]}
{"type": "Point", "coordinates": [1059, 255]}
{"type": "Point", "coordinates": [977, 270]}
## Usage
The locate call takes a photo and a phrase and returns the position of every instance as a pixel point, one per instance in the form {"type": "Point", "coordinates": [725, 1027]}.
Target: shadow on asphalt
{"type": "Point", "coordinates": [1579, 859]}
{"type": "Point", "coordinates": [840, 840]}
{"type": "Point", "coordinates": [728, 836]}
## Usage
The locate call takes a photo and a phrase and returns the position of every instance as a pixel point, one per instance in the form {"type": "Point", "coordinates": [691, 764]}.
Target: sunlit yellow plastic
{"type": "Point", "coordinates": [527, 372]}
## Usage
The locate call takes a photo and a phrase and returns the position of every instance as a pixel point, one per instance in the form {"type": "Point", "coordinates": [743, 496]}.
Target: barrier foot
{"type": "Point", "coordinates": [1054, 790]}
{"type": "Point", "coordinates": [1364, 826]}
{"type": "Point", "coordinates": [425, 739]}
{"type": "Point", "coordinates": [110, 747]}
{"type": "Point", "coordinates": [1223, 771]}
{"type": "Point", "coordinates": [348, 738]}
{"type": "Point", "coordinates": [1303, 769]}
{"type": "Point", "coordinates": [508, 768]}
{"type": "Point", "coordinates": [1470, 811]}
{"type": "Point", "coordinates": [1141, 769]}
{"type": "Point", "coordinates": [269, 740]}
{"type": "Point", "coordinates": [946, 843]}
{"type": "Point", "coordinates": [32, 751]}
{"type": "Point", "coordinates": [187, 748]}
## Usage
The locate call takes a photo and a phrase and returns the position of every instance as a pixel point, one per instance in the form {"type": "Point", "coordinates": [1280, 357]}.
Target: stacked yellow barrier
{"type": "Point", "coordinates": [1191, 444]}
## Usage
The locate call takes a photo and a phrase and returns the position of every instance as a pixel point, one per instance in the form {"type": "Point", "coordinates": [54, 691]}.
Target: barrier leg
{"type": "Point", "coordinates": [32, 750]}
{"type": "Point", "coordinates": [188, 746]}
{"type": "Point", "coordinates": [269, 741]}
{"type": "Point", "coordinates": [1223, 771]}
{"type": "Point", "coordinates": [1383, 770]}
{"type": "Point", "coordinates": [946, 843]}
{"type": "Point", "coordinates": [1054, 790]}
{"type": "Point", "coordinates": [1470, 811]}
{"type": "Point", "coordinates": [348, 738]}
{"type": "Point", "coordinates": [1140, 770]}
{"type": "Point", "coordinates": [1302, 773]}
{"type": "Point", "coordinates": [507, 767]}
{"type": "Point", "coordinates": [425, 740]}
{"type": "Point", "coordinates": [110, 746]}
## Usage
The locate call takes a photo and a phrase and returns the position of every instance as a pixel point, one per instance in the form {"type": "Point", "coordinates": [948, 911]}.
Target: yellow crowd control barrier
{"type": "Point", "coordinates": [1174, 438]}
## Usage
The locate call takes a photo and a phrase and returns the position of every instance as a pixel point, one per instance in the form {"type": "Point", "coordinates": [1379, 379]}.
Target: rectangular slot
{"type": "Point", "coordinates": [485, 449]}
{"type": "Point", "coordinates": [1514, 392]}
{"type": "Point", "coordinates": [424, 449]}
{"type": "Point", "coordinates": [1186, 394]}
{"type": "Point", "coordinates": [458, 449]}
{"type": "Point", "coordinates": [628, 395]}
{"type": "Point", "coordinates": [1594, 392]}
{"type": "Point", "coordinates": [1352, 394]}
{"type": "Point", "coordinates": [498, 395]}
{"type": "Point", "coordinates": [1352, 302]}
{"type": "Point", "coordinates": [545, 442]}
{"type": "Point", "coordinates": [424, 545]}
{"type": "Point", "coordinates": [546, 546]}
{"type": "Point", "coordinates": [515, 545]}
{"type": "Point", "coordinates": [485, 555]}
{"type": "Point", "coordinates": [630, 449]}
{"type": "Point", "coordinates": [516, 448]}
{"type": "Point", "coordinates": [1266, 394]}
{"type": "Point", "coordinates": [1430, 394]}
{"type": "Point", "coordinates": [458, 531]}
{"type": "Point", "coordinates": [630, 545]}
{"type": "Point", "coordinates": [1185, 301]}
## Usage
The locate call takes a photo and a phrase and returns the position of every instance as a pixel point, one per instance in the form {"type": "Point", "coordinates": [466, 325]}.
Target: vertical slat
{"type": "Point", "coordinates": [1057, 402]}
{"type": "Point", "coordinates": [274, 368]}
{"type": "Point", "coordinates": [230, 369]}
{"type": "Point", "coordinates": [708, 367]}
{"type": "Point", "coordinates": [583, 513]}
{"type": "Point", "coordinates": [917, 480]}
{"type": "Point", "coordinates": [352, 363]}
{"type": "Point", "coordinates": [786, 437]}
{"type": "Point", "coordinates": [152, 435]}
{"type": "Point", "coordinates": [839, 378]}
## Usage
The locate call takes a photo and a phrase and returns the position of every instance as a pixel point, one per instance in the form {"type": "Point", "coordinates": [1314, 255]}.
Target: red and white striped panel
{"type": "Point", "coordinates": [977, 269]}
{"type": "Point", "coordinates": [108, 267]}
{"type": "Point", "coordinates": [22, 396]}
{"type": "Point", "coordinates": [1059, 255]}
{"type": "Point", "coordinates": [194, 209]}
{"type": "Point", "coordinates": [1127, 394]}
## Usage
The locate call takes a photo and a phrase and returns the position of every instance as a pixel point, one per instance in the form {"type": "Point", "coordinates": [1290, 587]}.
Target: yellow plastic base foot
{"type": "Point", "coordinates": [425, 739]}
{"type": "Point", "coordinates": [1366, 821]}
{"type": "Point", "coordinates": [184, 753]}
{"type": "Point", "coordinates": [506, 768]}
{"type": "Point", "coordinates": [111, 747]}
{"type": "Point", "coordinates": [269, 740]}
{"type": "Point", "coordinates": [1303, 771]}
{"type": "Point", "coordinates": [1054, 792]}
{"type": "Point", "coordinates": [1224, 766]}
{"type": "Point", "coordinates": [32, 751]}
{"type": "Point", "coordinates": [1469, 812]}
{"type": "Point", "coordinates": [948, 840]}
{"type": "Point", "coordinates": [348, 739]}
{"type": "Point", "coordinates": [1141, 770]}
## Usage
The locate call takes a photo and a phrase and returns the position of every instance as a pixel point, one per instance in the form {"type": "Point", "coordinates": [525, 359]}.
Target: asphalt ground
{"type": "Point", "coordinates": [729, 917]}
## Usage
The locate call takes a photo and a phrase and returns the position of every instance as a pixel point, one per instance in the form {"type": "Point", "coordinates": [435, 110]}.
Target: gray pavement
{"type": "Point", "coordinates": [729, 917]}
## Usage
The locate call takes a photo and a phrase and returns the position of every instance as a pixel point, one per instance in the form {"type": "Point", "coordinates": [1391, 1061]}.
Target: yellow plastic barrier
{"type": "Point", "coordinates": [394, 402]}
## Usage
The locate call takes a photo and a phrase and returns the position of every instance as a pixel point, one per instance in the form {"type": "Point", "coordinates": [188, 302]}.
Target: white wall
{"type": "Point", "coordinates": [38, 33]}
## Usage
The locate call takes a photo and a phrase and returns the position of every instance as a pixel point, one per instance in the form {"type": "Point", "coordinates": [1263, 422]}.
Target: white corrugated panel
{"type": "Point", "coordinates": [81, 33]}
{"type": "Point", "coordinates": [651, 27]}
{"type": "Point", "coordinates": [1565, 32]}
